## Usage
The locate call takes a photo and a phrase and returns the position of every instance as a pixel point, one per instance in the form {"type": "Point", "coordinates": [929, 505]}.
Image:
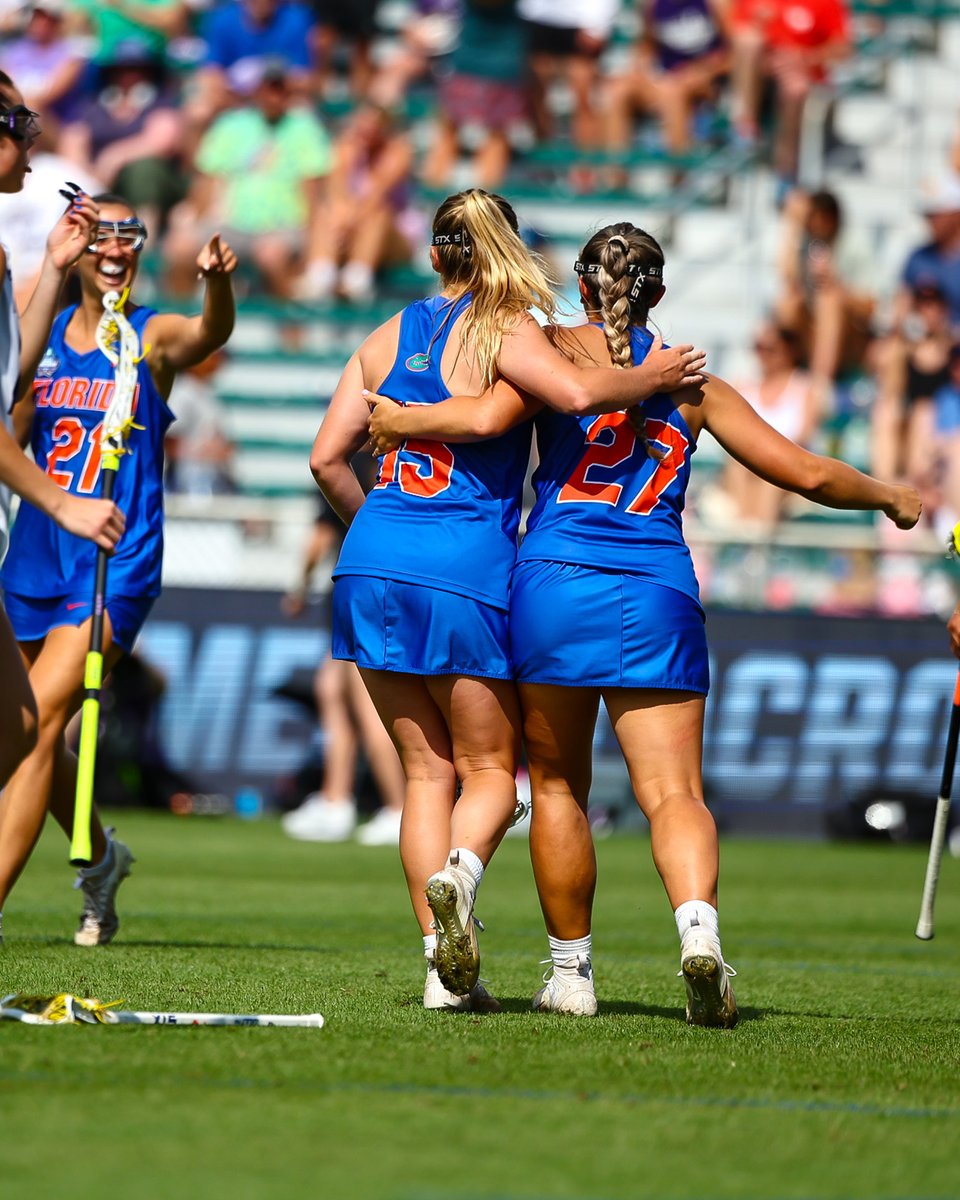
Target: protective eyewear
{"type": "Point", "coordinates": [20, 123]}
{"type": "Point", "coordinates": [131, 231]}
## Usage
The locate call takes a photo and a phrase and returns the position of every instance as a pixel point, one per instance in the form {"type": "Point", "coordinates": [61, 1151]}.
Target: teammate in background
{"type": "Point", "coordinates": [99, 520]}
{"type": "Point", "coordinates": [604, 603]}
{"type": "Point", "coordinates": [420, 592]}
{"type": "Point", "coordinates": [347, 719]}
{"type": "Point", "coordinates": [48, 577]}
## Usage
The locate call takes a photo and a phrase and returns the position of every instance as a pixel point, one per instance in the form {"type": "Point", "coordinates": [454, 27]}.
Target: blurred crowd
{"type": "Point", "coordinates": [316, 136]}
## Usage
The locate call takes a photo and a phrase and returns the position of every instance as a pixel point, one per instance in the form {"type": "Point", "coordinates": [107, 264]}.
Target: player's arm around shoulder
{"type": "Point", "coordinates": [175, 342]}
{"type": "Point", "coordinates": [745, 435]}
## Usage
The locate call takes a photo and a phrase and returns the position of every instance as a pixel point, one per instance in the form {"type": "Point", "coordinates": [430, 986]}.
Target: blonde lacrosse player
{"type": "Point", "coordinates": [48, 578]}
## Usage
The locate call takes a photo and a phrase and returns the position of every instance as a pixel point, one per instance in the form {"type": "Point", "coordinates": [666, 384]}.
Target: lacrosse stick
{"type": "Point", "coordinates": [924, 929]}
{"type": "Point", "coordinates": [65, 1009]}
{"type": "Point", "coordinates": [118, 341]}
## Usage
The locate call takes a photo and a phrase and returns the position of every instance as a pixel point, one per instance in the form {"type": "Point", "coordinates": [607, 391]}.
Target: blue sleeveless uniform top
{"type": "Point", "coordinates": [603, 502]}
{"type": "Point", "coordinates": [438, 515]}
{"type": "Point", "coordinates": [683, 31]}
{"type": "Point", "coordinates": [72, 393]}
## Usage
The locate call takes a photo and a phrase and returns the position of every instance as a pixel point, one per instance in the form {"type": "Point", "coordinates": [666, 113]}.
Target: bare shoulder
{"type": "Point", "coordinates": [584, 345]}
{"type": "Point", "coordinates": [378, 351]}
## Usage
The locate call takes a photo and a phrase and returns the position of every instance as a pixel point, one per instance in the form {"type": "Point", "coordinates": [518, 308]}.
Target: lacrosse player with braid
{"type": "Point", "coordinates": [422, 581]}
{"type": "Point", "coordinates": [604, 603]}
{"type": "Point", "coordinates": [48, 578]}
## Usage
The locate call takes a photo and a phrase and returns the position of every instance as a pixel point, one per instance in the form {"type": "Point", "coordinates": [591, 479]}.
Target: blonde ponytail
{"type": "Point", "coordinates": [480, 251]}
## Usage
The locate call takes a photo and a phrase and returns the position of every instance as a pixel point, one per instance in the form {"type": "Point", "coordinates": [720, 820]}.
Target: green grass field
{"type": "Point", "coordinates": [842, 1080]}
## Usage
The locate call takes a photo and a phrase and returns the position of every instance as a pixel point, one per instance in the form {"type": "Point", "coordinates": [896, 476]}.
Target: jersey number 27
{"type": "Point", "coordinates": [610, 442]}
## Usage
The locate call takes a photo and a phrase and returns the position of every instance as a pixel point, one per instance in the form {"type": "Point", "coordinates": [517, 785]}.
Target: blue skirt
{"type": "Point", "coordinates": [33, 617]}
{"type": "Point", "coordinates": [386, 625]}
{"type": "Point", "coordinates": [581, 627]}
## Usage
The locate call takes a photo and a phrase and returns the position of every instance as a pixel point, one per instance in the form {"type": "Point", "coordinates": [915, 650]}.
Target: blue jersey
{"type": "Point", "coordinates": [72, 392]}
{"type": "Point", "coordinates": [603, 502]}
{"type": "Point", "coordinates": [443, 516]}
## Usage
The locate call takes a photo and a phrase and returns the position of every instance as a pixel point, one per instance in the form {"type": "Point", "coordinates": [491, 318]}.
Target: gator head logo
{"type": "Point", "coordinates": [418, 362]}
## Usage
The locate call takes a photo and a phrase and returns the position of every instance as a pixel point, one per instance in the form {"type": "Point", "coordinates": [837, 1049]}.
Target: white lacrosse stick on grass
{"type": "Point", "coordinates": [64, 1009]}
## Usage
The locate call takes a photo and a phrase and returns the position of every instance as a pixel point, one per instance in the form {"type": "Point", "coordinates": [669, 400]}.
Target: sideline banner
{"type": "Point", "coordinates": [805, 711]}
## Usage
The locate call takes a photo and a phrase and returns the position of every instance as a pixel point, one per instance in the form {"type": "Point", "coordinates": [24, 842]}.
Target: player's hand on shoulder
{"type": "Point", "coordinates": [74, 232]}
{"type": "Point", "coordinates": [679, 366]}
{"type": "Point", "coordinates": [905, 507]}
{"type": "Point", "coordinates": [384, 424]}
{"type": "Point", "coordinates": [99, 520]}
{"type": "Point", "coordinates": [216, 258]}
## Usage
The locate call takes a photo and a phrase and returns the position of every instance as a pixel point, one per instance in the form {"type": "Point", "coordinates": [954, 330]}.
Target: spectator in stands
{"type": "Point", "coordinates": [945, 445]}
{"type": "Point", "coordinates": [485, 95]}
{"type": "Point", "coordinates": [367, 218]}
{"type": "Point", "coordinates": [47, 64]}
{"type": "Point", "coordinates": [260, 170]}
{"type": "Point", "coordinates": [565, 39]}
{"type": "Point", "coordinates": [112, 22]}
{"type": "Point", "coordinates": [682, 56]}
{"type": "Point", "coordinates": [198, 453]}
{"type": "Point", "coordinates": [350, 21]}
{"type": "Point", "coordinates": [249, 29]}
{"type": "Point", "coordinates": [430, 33]}
{"type": "Point", "coordinates": [792, 48]}
{"type": "Point", "coordinates": [784, 395]}
{"type": "Point", "coordinates": [912, 365]}
{"type": "Point", "coordinates": [937, 262]}
{"type": "Point", "coordinates": [827, 295]}
{"type": "Point", "coordinates": [129, 133]}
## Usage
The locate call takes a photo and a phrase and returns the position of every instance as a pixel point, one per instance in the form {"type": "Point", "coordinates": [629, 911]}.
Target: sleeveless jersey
{"type": "Point", "coordinates": [442, 516]}
{"type": "Point", "coordinates": [72, 393]}
{"type": "Point", "coordinates": [9, 378]}
{"type": "Point", "coordinates": [603, 502]}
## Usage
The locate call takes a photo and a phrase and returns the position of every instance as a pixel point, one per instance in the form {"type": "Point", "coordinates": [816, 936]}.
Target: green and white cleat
{"type": "Point", "coordinates": [98, 920]}
{"type": "Point", "coordinates": [710, 998]}
{"type": "Point", "coordinates": [568, 989]}
{"type": "Point", "coordinates": [436, 996]}
{"type": "Point", "coordinates": [450, 894]}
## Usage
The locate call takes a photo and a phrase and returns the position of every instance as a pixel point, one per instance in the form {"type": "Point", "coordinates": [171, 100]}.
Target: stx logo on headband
{"type": "Point", "coordinates": [461, 238]}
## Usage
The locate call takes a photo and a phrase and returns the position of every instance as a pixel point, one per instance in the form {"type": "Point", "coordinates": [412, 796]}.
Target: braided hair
{"type": "Point", "coordinates": [622, 268]}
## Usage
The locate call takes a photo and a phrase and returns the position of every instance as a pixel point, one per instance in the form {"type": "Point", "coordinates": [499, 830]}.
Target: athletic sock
{"type": "Point", "coordinates": [697, 912]}
{"type": "Point", "coordinates": [429, 945]}
{"type": "Point", "coordinates": [470, 861]}
{"type": "Point", "coordinates": [561, 952]}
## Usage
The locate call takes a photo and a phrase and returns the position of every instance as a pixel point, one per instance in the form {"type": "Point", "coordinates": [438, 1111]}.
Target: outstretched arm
{"type": "Point", "coordinates": [342, 433]}
{"type": "Point", "coordinates": [530, 360]}
{"type": "Point", "coordinates": [177, 342]}
{"type": "Point", "coordinates": [459, 419]}
{"type": "Point", "coordinates": [761, 449]}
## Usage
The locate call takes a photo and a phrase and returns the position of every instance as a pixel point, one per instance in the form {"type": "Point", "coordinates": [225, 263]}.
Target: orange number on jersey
{"type": "Point", "coordinates": [665, 471]}
{"type": "Point", "coordinates": [611, 441]}
{"type": "Point", "coordinates": [418, 478]}
{"type": "Point", "coordinates": [68, 436]}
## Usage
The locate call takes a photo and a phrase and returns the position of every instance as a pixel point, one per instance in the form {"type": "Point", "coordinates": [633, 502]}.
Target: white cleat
{"type": "Point", "coordinates": [436, 996]}
{"type": "Point", "coordinates": [383, 829]}
{"type": "Point", "coordinates": [321, 820]}
{"type": "Point", "coordinates": [568, 989]}
{"type": "Point", "coordinates": [98, 920]}
{"type": "Point", "coordinates": [450, 894]}
{"type": "Point", "coordinates": [710, 998]}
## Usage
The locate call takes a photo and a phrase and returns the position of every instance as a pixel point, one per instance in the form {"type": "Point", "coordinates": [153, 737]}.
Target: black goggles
{"type": "Point", "coordinates": [131, 231]}
{"type": "Point", "coordinates": [20, 123]}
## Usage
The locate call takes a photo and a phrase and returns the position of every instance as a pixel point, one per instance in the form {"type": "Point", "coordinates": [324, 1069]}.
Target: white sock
{"type": "Point", "coordinates": [562, 952]}
{"type": "Point", "coordinates": [697, 912]}
{"type": "Point", "coordinates": [429, 945]}
{"type": "Point", "coordinates": [470, 861]}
